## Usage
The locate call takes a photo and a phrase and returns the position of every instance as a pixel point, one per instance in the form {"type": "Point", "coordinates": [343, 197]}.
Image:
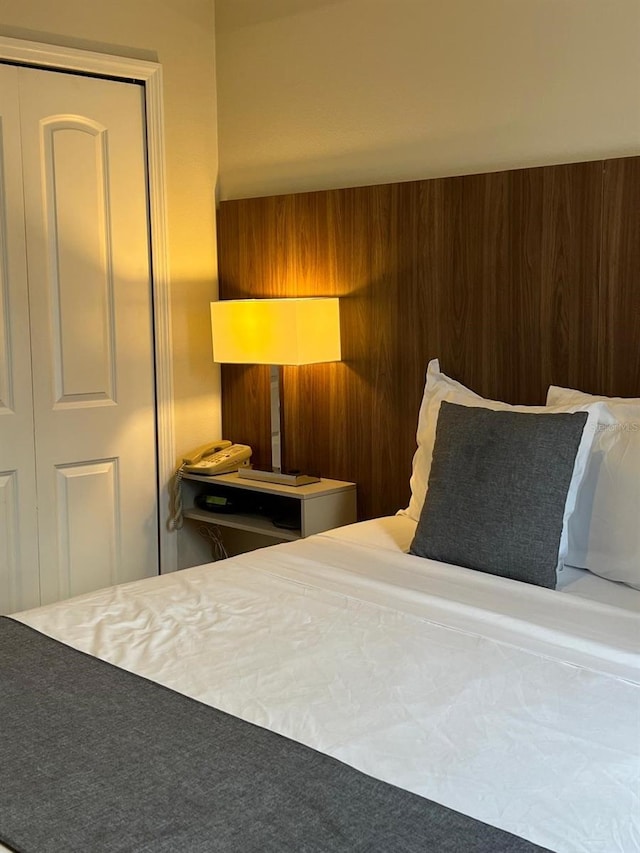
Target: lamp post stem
{"type": "Point", "coordinates": [276, 474]}
{"type": "Point", "coordinates": [276, 417]}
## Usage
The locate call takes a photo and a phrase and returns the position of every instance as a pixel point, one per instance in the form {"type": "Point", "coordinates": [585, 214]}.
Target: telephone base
{"type": "Point", "coordinates": [277, 477]}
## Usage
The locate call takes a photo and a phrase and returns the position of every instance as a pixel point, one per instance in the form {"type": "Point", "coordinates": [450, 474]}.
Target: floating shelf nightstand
{"type": "Point", "coordinates": [298, 511]}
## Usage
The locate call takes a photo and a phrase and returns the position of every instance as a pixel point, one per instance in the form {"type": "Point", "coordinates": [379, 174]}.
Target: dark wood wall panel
{"type": "Point", "coordinates": [620, 315]}
{"type": "Point", "coordinates": [515, 280]}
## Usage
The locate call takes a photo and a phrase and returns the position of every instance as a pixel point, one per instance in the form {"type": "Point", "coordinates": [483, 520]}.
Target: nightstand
{"type": "Point", "coordinates": [272, 510]}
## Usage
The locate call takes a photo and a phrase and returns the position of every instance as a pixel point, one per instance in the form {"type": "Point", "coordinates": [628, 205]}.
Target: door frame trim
{"type": "Point", "coordinates": [54, 57]}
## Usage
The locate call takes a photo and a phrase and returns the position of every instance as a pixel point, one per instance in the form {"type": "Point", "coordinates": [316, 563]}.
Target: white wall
{"type": "Point", "coordinates": [315, 94]}
{"type": "Point", "coordinates": [179, 34]}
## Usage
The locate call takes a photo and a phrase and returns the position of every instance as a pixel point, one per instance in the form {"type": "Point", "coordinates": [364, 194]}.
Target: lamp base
{"type": "Point", "coordinates": [277, 477]}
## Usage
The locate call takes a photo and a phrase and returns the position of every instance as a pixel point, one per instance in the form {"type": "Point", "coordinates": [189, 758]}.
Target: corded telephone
{"type": "Point", "coordinates": [216, 457]}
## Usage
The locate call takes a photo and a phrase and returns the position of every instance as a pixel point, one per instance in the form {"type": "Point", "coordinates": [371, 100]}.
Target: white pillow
{"type": "Point", "coordinates": [439, 387]}
{"type": "Point", "coordinates": [604, 532]}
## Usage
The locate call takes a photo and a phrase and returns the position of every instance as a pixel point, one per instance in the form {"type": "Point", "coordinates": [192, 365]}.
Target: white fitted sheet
{"type": "Point", "coordinates": [395, 533]}
{"type": "Point", "coordinates": [514, 704]}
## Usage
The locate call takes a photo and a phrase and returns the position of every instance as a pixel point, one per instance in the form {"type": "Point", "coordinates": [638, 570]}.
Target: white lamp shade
{"type": "Point", "coordinates": [275, 331]}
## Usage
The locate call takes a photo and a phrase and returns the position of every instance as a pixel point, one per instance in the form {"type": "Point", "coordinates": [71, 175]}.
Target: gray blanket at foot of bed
{"type": "Point", "coordinates": [95, 759]}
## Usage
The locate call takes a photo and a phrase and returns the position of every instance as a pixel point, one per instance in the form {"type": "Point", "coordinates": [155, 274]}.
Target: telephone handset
{"type": "Point", "coordinates": [205, 450]}
{"type": "Point", "coordinates": [216, 457]}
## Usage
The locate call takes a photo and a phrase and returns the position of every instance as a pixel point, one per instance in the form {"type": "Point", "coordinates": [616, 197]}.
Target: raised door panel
{"type": "Point", "coordinates": [10, 574]}
{"type": "Point", "coordinates": [87, 502]}
{"type": "Point", "coordinates": [90, 294]}
{"type": "Point", "coordinates": [75, 155]}
{"type": "Point", "coordinates": [19, 584]}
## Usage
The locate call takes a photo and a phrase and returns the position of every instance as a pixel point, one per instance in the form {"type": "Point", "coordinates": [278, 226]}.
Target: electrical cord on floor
{"type": "Point", "coordinates": [212, 533]}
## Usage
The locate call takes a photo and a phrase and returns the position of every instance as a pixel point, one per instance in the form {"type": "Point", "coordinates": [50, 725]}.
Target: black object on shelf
{"type": "Point", "coordinates": [227, 502]}
{"type": "Point", "coordinates": [284, 512]}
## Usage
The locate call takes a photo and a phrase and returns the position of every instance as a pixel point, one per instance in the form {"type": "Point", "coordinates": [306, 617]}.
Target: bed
{"type": "Point", "coordinates": [408, 692]}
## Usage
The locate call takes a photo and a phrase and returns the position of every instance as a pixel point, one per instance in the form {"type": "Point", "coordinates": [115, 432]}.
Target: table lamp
{"type": "Point", "coordinates": [276, 332]}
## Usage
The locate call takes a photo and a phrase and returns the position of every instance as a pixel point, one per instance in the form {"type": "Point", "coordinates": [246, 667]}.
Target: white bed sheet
{"type": "Point", "coordinates": [395, 533]}
{"type": "Point", "coordinates": [514, 704]}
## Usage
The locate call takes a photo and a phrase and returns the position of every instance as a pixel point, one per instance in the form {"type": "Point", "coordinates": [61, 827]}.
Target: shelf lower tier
{"type": "Point", "coordinates": [250, 523]}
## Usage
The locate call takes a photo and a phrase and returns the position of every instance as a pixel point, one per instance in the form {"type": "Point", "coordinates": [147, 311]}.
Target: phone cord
{"type": "Point", "coordinates": [176, 519]}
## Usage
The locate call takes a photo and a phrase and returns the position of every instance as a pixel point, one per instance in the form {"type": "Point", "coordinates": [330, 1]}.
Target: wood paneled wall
{"type": "Point", "coordinates": [514, 280]}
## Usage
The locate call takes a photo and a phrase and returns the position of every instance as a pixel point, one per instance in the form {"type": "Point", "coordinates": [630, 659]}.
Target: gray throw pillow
{"type": "Point", "coordinates": [497, 491]}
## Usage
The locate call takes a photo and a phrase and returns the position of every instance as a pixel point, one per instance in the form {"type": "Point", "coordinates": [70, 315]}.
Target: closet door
{"type": "Point", "coordinates": [87, 242]}
{"type": "Point", "coordinates": [19, 578]}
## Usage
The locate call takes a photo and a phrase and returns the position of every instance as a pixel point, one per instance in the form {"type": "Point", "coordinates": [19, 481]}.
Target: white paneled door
{"type": "Point", "coordinates": [78, 492]}
{"type": "Point", "coordinates": [19, 573]}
